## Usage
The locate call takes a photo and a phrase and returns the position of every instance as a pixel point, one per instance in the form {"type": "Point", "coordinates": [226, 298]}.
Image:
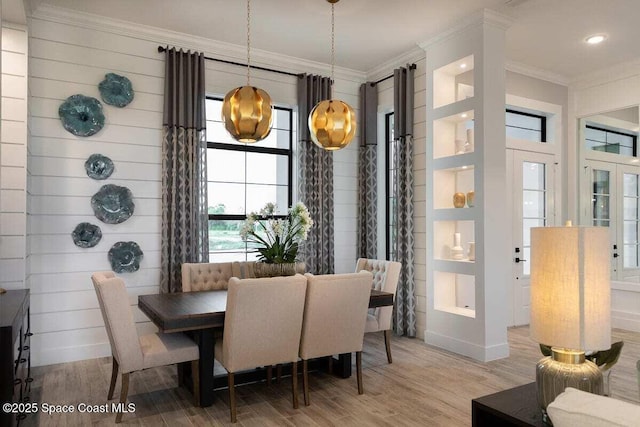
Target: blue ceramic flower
{"type": "Point", "coordinates": [86, 235]}
{"type": "Point", "coordinates": [81, 115]}
{"type": "Point", "coordinates": [116, 90]}
{"type": "Point", "coordinates": [113, 204]}
{"type": "Point", "coordinates": [98, 166]}
{"type": "Point", "coordinates": [125, 257]}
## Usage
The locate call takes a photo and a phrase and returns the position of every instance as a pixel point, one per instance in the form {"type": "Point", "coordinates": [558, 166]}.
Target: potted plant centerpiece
{"type": "Point", "coordinates": [277, 239]}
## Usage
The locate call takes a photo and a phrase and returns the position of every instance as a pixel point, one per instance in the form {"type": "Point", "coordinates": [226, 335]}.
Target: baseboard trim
{"type": "Point", "coordinates": [625, 320]}
{"type": "Point", "coordinates": [465, 348]}
{"type": "Point", "coordinates": [70, 354]}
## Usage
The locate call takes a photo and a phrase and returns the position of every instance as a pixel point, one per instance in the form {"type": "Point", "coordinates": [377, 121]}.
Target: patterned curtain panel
{"type": "Point", "coordinates": [367, 173]}
{"type": "Point", "coordinates": [405, 314]}
{"type": "Point", "coordinates": [184, 169]}
{"type": "Point", "coordinates": [315, 178]}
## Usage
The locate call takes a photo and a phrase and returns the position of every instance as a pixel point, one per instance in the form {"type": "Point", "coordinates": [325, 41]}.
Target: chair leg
{"type": "Point", "coordinates": [195, 376]}
{"type": "Point", "coordinates": [269, 374]}
{"type": "Point", "coordinates": [114, 377]}
{"type": "Point", "coordinates": [387, 344]}
{"type": "Point", "coordinates": [294, 384]}
{"type": "Point", "coordinates": [305, 382]}
{"type": "Point", "coordinates": [232, 398]}
{"type": "Point", "coordinates": [124, 390]}
{"type": "Point", "coordinates": [330, 365]}
{"type": "Point", "coordinates": [359, 371]}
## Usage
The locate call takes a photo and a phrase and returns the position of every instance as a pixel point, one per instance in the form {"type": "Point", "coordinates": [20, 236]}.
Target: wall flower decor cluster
{"type": "Point", "coordinates": [112, 204]}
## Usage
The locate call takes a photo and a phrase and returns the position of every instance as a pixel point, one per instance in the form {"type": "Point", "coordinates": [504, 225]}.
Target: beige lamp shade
{"type": "Point", "coordinates": [247, 114]}
{"type": "Point", "coordinates": [332, 124]}
{"type": "Point", "coordinates": [570, 287]}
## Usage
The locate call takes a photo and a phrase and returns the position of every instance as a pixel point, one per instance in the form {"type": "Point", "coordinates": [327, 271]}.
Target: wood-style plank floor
{"type": "Point", "coordinates": [424, 386]}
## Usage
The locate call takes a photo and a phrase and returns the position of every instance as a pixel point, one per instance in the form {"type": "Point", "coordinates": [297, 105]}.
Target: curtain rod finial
{"type": "Point", "coordinates": [161, 49]}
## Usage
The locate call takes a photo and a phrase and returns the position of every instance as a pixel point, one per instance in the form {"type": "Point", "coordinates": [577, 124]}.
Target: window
{"type": "Point", "coordinates": [521, 125]}
{"type": "Point", "coordinates": [610, 141]}
{"type": "Point", "coordinates": [242, 178]}
{"type": "Point", "coordinates": [391, 217]}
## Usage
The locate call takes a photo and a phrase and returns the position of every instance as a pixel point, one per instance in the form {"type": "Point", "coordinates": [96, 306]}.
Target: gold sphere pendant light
{"type": "Point", "coordinates": [332, 122]}
{"type": "Point", "coordinates": [246, 110]}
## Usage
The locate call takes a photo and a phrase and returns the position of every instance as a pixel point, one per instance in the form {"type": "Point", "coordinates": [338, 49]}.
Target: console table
{"type": "Point", "coordinates": [15, 359]}
{"type": "Point", "coordinates": [516, 406]}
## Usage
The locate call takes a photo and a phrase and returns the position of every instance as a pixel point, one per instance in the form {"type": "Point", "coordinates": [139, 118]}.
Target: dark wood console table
{"type": "Point", "coordinates": [15, 358]}
{"type": "Point", "coordinates": [516, 406]}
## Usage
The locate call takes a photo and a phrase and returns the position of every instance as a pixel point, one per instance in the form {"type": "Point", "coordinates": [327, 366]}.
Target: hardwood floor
{"type": "Point", "coordinates": [424, 386]}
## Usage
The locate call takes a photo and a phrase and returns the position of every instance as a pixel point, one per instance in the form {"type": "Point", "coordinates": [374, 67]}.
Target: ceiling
{"type": "Point", "coordinates": [545, 34]}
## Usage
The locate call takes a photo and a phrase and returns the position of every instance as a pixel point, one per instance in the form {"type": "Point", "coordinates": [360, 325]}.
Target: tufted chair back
{"type": "Point", "coordinates": [385, 278]}
{"type": "Point", "coordinates": [206, 276]}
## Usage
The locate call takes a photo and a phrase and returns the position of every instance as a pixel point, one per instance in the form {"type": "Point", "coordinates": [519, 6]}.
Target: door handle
{"type": "Point", "coordinates": [520, 260]}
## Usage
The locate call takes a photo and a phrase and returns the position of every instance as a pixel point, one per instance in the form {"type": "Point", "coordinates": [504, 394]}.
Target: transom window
{"type": "Point", "coordinates": [610, 141]}
{"type": "Point", "coordinates": [243, 178]}
{"type": "Point", "coordinates": [521, 125]}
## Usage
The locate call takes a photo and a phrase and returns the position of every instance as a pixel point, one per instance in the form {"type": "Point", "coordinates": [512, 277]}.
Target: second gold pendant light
{"type": "Point", "coordinates": [332, 123]}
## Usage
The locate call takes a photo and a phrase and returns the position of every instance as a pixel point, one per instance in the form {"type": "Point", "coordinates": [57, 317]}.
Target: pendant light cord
{"type": "Point", "coordinates": [248, 41]}
{"type": "Point", "coordinates": [333, 49]}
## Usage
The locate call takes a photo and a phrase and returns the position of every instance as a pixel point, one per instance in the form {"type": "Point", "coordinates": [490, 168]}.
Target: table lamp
{"type": "Point", "coordinates": [570, 306]}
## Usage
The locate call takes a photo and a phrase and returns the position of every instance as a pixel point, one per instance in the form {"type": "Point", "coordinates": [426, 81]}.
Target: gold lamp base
{"type": "Point", "coordinates": [2, 290]}
{"type": "Point", "coordinates": [565, 368]}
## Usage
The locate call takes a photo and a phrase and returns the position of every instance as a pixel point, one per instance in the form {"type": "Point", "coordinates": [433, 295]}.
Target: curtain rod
{"type": "Point", "coordinates": [163, 49]}
{"type": "Point", "coordinates": [411, 67]}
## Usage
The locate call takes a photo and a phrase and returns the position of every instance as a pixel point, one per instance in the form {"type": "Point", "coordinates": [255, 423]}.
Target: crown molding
{"type": "Point", "coordinates": [537, 73]}
{"type": "Point", "coordinates": [386, 68]}
{"type": "Point", "coordinates": [481, 17]}
{"type": "Point", "coordinates": [616, 72]}
{"type": "Point", "coordinates": [210, 47]}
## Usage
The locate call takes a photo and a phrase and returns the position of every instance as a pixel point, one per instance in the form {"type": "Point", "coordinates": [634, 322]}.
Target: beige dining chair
{"type": "Point", "coordinates": [385, 278]}
{"type": "Point", "coordinates": [262, 327]}
{"type": "Point", "coordinates": [211, 276]}
{"type": "Point", "coordinates": [132, 352]}
{"type": "Point", "coordinates": [335, 312]}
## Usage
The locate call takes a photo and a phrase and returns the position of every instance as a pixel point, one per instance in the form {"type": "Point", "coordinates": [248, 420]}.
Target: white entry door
{"type": "Point", "coordinates": [532, 192]}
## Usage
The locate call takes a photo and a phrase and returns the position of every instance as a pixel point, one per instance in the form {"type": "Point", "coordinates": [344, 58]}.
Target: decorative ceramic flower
{"type": "Point", "coordinates": [113, 204]}
{"type": "Point", "coordinates": [116, 90]}
{"type": "Point", "coordinates": [81, 115]}
{"type": "Point", "coordinates": [86, 235]}
{"type": "Point", "coordinates": [125, 257]}
{"type": "Point", "coordinates": [277, 238]}
{"type": "Point", "coordinates": [98, 166]}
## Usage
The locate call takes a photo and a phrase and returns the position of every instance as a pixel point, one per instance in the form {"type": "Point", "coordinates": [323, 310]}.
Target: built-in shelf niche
{"type": "Point", "coordinates": [453, 82]}
{"type": "Point", "coordinates": [444, 235]}
{"type": "Point", "coordinates": [455, 293]}
{"type": "Point", "coordinates": [453, 135]}
{"type": "Point", "coordinates": [447, 182]}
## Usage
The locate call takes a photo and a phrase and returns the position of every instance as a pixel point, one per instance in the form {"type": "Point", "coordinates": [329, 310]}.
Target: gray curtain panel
{"type": "Point", "coordinates": [367, 173]}
{"type": "Point", "coordinates": [315, 178]}
{"type": "Point", "coordinates": [403, 245]}
{"type": "Point", "coordinates": [184, 168]}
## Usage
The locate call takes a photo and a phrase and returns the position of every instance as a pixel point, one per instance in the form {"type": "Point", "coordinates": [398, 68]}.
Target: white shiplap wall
{"type": "Point", "coordinates": [13, 157]}
{"type": "Point", "coordinates": [68, 58]}
{"type": "Point", "coordinates": [385, 104]}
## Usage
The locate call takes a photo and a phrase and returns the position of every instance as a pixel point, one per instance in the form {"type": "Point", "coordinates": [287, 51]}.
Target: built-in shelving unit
{"type": "Point", "coordinates": [466, 172]}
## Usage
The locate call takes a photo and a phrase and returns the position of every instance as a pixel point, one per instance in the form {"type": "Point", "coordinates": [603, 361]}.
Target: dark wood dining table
{"type": "Point", "coordinates": [201, 314]}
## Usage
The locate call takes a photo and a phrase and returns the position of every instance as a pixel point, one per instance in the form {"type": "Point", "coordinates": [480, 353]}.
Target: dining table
{"type": "Point", "coordinates": [201, 315]}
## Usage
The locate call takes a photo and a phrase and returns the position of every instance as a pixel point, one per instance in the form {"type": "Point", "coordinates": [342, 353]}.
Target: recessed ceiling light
{"type": "Point", "coordinates": [463, 65]}
{"type": "Point", "coordinates": [595, 39]}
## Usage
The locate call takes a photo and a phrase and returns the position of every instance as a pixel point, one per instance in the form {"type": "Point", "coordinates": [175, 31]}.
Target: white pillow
{"type": "Point", "coordinates": [578, 408]}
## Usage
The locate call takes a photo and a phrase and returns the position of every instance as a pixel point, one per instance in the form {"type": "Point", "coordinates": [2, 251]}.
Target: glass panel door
{"type": "Point", "coordinates": [532, 193]}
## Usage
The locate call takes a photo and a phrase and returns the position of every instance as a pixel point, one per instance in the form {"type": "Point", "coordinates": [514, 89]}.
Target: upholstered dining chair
{"type": "Point", "coordinates": [262, 327]}
{"type": "Point", "coordinates": [210, 276]}
{"type": "Point", "coordinates": [335, 312]}
{"type": "Point", "coordinates": [385, 278]}
{"type": "Point", "coordinates": [131, 352]}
